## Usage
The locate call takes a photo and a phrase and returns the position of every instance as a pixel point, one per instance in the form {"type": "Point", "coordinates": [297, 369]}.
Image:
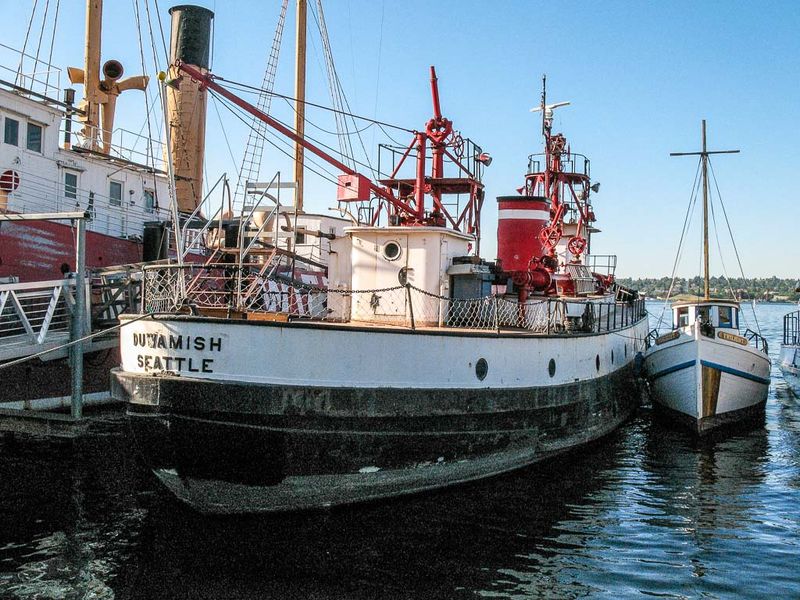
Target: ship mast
{"type": "Point", "coordinates": [300, 97]}
{"type": "Point", "coordinates": [704, 153]}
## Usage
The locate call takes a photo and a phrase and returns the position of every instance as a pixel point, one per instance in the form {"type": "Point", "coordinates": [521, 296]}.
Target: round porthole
{"type": "Point", "coordinates": [481, 369]}
{"type": "Point", "coordinates": [597, 362]}
{"type": "Point", "coordinates": [391, 251]}
{"type": "Point", "coordinates": [551, 367]}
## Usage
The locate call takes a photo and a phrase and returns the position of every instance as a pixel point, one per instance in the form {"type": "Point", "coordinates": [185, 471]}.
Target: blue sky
{"type": "Point", "coordinates": [640, 76]}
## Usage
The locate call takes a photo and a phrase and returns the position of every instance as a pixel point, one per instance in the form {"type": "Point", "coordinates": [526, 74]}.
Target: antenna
{"type": "Point", "coordinates": [547, 109]}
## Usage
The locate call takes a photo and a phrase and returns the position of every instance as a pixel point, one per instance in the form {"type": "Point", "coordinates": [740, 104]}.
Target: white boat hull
{"type": "Point", "coordinates": [789, 364]}
{"type": "Point", "coordinates": [707, 382]}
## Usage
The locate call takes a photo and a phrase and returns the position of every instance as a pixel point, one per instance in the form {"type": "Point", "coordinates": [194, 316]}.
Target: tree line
{"type": "Point", "coordinates": [772, 289]}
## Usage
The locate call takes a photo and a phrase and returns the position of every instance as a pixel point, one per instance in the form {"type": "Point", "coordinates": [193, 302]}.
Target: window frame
{"type": "Point", "coordinates": [71, 194]}
{"type": "Point", "coordinates": [28, 127]}
{"type": "Point", "coordinates": [16, 132]}
{"type": "Point", "coordinates": [112, 201]}
{"type": "Point", "coordinates": [151, 206]}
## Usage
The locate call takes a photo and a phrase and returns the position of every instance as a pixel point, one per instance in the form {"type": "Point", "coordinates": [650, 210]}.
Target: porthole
{"type": "Point", "coordinates": [612, 357]}
{"type": "Point", "coordinates": [481, 369]}
{"type": "Point", "coordinates": [597, 362]}
{"type": "Point", "coordinates": [626, 350]}
{"type": "Point", "coordinates": [551, 367]}
{"type": "Point", "coordinates": [391, 251]}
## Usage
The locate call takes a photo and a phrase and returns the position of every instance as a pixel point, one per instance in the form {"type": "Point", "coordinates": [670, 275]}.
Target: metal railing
{"type": "Point", "coordinates": [35, 316]}
{"type": "Point", "coordinates": [570, 163]}
{"type": "Point", "coordinates": [791, 329]}
{"type": "Point", "coordinates": [127, 145]}
{"type": "Point", "coordinates": [173, 288]}
{"type": "Point", "coordinates": [604, 264]}
{"type": "Point", "coordinates": [29, 72]}
{"type": "Point", "coordinates": [759, 341]}
{"type": "Point", "coordinates": [41, 194]}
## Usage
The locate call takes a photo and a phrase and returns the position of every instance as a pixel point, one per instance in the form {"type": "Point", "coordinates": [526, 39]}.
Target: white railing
{"type": "Point", "coordinates": [125, 144]}
{"type": "Point", "coordinates": [40, 194]}
{"type": "Point", "coordinates": [28, 72]}
{"type": "Point", "coordinates": [36, 316]}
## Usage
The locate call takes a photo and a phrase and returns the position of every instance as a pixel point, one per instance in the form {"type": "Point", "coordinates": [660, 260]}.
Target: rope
{"type": "Point", "coordinates": [24, 359]}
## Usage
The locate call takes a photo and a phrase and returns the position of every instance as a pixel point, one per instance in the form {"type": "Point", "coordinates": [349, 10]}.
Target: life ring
{"type": "Point", "coordinates": [9, 181]}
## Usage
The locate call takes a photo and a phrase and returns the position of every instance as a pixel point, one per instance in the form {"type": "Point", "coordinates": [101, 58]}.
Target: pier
{"type": "Point", "coordinates": [44, 322]}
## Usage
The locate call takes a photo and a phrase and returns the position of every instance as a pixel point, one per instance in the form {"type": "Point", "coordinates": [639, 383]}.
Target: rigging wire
{"type": "Point", "coordinates": [250, 88]}
{"type": "Point", "coordinates": [224, 133]}
{"type": "Point", "coordinates": [150, 153]}
{"type": "Point", "coordinates": [733, 241]}
{"type": "Point", "coordinates": [18, 78]}
{"type": "Point", "coordinates": [41, 36]}
{"type": "Point", "coordinates": [312, 139]}
{"type": "Point", "coordinates": [52, 45]}
{"type": "Point", "coordinates": [328, 176]}
{"type": "Point", "coordinates": [343, 97]}
{"type": "Point", "coordinates": [686, 224]}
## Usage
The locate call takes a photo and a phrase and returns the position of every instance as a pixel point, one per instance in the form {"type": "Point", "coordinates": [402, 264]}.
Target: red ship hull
{"type": "Point", "coordinates": [35, 251]}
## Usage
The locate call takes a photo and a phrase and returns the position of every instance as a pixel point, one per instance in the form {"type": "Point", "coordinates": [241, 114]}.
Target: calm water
{"type": "Point", "coordinates": [644, 512]}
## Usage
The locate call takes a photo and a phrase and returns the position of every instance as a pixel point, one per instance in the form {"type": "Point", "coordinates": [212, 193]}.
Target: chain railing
{"type": "Point", "coordinates": [221, 287]}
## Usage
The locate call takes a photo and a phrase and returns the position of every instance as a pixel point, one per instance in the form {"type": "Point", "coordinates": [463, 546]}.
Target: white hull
{"type": "Point", "coordinates": [352, 357]}
{"type": "Point", "coordinates": [706, 381]}
{"type": "Point", "coordinates": [789, 363]}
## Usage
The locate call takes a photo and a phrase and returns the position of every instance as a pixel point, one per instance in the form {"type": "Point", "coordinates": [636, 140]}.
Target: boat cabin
{"type": "Point", "coordinates": [720, 314]}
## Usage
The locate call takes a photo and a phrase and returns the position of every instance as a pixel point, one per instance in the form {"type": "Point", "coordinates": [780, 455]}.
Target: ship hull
{"type": "Point", "coordinates": [789, 363]}
{"type": "Point", "coordinates": [224, 445]}
{"type": "Point", "coordinates": [704, 383]}
{"type": "Point", "coordinates": [35, 250]}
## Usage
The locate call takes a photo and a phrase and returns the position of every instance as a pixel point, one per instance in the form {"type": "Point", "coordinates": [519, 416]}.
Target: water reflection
{"type": "Point", "coordinates": [648, 511]}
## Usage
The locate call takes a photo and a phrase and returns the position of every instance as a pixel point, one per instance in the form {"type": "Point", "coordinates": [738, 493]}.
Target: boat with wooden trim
{"type": "Point", "coordinates": [705, 373]}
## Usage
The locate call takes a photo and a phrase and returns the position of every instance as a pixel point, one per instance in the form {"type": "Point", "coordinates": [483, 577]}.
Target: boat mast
{"type": "Point", "coordinates": [704, 158]}
{"type": "Point", "coordinates": [300, 97]}
{"type": "Point", "coordinates": [704, 154]}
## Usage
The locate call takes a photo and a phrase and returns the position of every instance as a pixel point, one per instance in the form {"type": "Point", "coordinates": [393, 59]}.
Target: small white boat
{"type": "Point", "coordinates": [789, 361]}
{"type": "Point", "coordinates": [703, 372]}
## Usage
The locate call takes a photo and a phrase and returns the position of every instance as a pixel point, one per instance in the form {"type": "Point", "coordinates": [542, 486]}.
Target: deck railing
{"type": "Point", "coordinates": [223, 290]}
{"type": "Point", "coordinates": [791, 329]}
{"type": "Point", "coordinates": [35, 316]}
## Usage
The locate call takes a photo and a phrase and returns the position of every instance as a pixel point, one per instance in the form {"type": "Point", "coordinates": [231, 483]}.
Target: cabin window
{"type": "Point", "coordinates": [149, 201]}
{"type": "Point", "coordinates": [299, 238]}
{"type": "Point", "coordinates": [90, 207]}
{"type": "Point", "coordinates": [704, 314]}
{"type": "Point", "coordinates": [683, 316]}
{"type": "Point", "coordinates": [115, 193]}
{"type": "Point", "coordinates": [392, 251]}
{"type": "Point", "coordinates": [34, 140]}
{"type": "Point", "coordinates": [725, 316]}
{"type": "Point", "coordinates": [11, 132]}
{"type": "Point", "coordinates": [71, 186]}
